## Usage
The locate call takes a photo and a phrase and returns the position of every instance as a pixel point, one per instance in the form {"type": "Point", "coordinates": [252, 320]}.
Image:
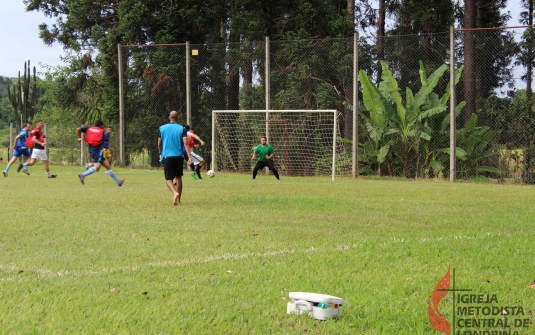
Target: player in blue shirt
{"type": "Point", "coordinates": [171, 139]}
{"type": "Point", "coordinates": [94, 137]}
{"type": "Point", "coordinates": [19, 148]}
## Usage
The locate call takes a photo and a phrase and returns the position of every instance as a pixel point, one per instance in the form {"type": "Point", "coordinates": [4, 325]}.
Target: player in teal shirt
{"type": "Point", "coordinates": [264, 153]}
{"type": "Point", "coordinates": [171, 141]}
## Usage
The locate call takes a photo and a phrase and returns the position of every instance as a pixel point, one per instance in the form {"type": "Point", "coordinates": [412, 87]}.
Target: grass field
{"type": "Point", "coordinates": [99, 259]}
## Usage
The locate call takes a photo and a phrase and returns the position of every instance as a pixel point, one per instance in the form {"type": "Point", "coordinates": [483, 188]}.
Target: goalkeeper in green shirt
{"type": "Point", "coordinates": [264, 153]}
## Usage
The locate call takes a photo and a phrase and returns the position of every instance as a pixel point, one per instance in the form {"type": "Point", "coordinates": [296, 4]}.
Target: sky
{"type": "Point", "coordinates": [19, 33]}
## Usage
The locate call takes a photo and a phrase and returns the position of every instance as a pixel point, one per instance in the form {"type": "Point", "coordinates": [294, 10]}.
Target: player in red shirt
{"type": "Point", "coordinates": [197, 161]}
{"type": "Point", "coordinates": [38, 151]}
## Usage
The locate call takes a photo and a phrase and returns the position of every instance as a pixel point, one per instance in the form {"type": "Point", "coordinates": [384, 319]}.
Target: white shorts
{"type": "Point", "coordinates": [196, 159]}
{"type": "Point", "coordinates": [39, 153]}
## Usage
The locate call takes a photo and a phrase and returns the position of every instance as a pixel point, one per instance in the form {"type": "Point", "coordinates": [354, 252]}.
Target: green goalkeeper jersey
{"type": "Point", "coordinates": [262, 152]}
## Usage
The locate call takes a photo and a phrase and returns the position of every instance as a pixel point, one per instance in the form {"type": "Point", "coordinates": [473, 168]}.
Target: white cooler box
{"type": "Point", "coordinates": [317, 306]}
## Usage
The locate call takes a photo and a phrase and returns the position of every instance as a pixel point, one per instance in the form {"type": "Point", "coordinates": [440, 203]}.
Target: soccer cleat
{"type": "Point", "coordinates": [53, 176]}
{"type": "Point", "coordinates": [26, 172]}
{"type": "Point", "coordinates": [19, 168]}
{"type": "Point", "coordinates": [194, 175]}
{"type": "Point", "coordinates": [121, 182]}
{"type": "Point", "coordinates": [82, 178]}
{"type": "Point", "coordinates": [5, 173]}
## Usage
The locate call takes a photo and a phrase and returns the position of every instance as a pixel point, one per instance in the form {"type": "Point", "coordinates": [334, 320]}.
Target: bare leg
{"type": "Point", "coordinates": [30, 162]}
{"type": "Point", "coordinates": [104, 163]}
{"type": "Point", "coordinates": [179, 187]}
{"type": "Point", "coordinates": [45, 163]}
{"type": "Point", "coordinates": [171, 187]}
{"type": "Point", "coordinates": [13, 160]}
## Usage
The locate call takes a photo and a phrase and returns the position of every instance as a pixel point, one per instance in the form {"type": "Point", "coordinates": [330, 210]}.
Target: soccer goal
{"type": "Point", "coordinates": [305, 142]}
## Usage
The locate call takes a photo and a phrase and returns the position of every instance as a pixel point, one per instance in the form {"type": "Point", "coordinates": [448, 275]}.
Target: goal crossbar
{"type": "Point", "coordinates": [269, 122]}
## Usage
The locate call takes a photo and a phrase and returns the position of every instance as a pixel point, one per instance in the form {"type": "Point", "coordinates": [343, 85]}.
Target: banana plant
{"type": "Point", "coordinates": [394, 122]}
{"type": "Point", "coordinates": [436, 150]}
{"type": "Point", "coordinates": [475, 141]}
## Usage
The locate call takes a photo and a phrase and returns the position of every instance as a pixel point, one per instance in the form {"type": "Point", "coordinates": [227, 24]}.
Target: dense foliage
{"type": "Point", "coordinates": [6, 109]}
{"type": "Point", "coordinates": [310, 66]}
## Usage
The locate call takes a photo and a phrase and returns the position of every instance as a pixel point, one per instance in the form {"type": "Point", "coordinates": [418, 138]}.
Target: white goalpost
{"type": "Point", "coordinates": [305, 142]}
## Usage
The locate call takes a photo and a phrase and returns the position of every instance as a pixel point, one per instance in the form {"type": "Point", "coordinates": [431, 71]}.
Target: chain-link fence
{"type": "Point", "coordinates": [230, 76]}
{"type": "Point", "coordinates": [497, 124]}
{"type": "Point", "coordinates": [154, 83]}
{"type": "Point", "coordinates": [493, 112]}
{"type": "Point", "coordinates": [408, 134]}
{"type": "Point", "coordinates": [63, 148]}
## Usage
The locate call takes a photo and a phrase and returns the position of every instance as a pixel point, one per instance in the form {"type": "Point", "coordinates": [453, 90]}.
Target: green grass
{"type": "Point", "coordinates": [100, 259]}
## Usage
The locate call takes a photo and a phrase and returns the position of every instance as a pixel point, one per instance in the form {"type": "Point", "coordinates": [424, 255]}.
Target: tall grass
{"type": "Point", "coordinates": [103, 259]}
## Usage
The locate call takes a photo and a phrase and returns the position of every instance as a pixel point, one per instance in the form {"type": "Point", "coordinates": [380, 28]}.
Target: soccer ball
{"type": "Point", "coordinates": [211, 173]}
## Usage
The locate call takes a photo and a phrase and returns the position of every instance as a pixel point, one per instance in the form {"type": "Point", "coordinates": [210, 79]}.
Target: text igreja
{"type": "Point", "coordinates": [477, 299]}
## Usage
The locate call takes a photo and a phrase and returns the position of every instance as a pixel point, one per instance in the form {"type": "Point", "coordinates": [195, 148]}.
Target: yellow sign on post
{"type": "Point", "coordinates": [194, 52]}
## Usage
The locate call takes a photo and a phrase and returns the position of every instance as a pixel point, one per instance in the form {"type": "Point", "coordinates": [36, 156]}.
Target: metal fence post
{"type": "Point", "coordinates": [121, 107]}
{"type": "Point", "coordinates": [10, 148]}
{"type": "Point", "coordinates": [46, 141]}
{"type": "Point", "coordinates": [268, 93]}
{"type": "Point", "coordinates": [355, 156]}
{"type": "Point", "coordinates": [267, 88]}
{"type": "Point", "coordinates": [452, 105]}
{"type": "Point", "coordinates": [82, 149]}
{"type": "Point", "coordinates": [188, 84]}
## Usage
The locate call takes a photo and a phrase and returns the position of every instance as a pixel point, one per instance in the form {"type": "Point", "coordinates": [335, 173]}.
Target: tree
{"type": "Point", "coordinates": [470, 94]}
{"type": "Point", "coordinates": [91, 81]}
{"type": "Point", "coordinates": [527, 59]}
{"type": "Point", "coordinates": [420, 30]}
{"type": "Point", "coordinates": [84, 26]}
{"type": "Point", "coordinates": [6, 110]}
{"type": "Point", "coordinates": [380, 38]}
{"type": "Point", "coordinates": [487, 54]}
{"type": "Point", "coordinates": [78, 87]}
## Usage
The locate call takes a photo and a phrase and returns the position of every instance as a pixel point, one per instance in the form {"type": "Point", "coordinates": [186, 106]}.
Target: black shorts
{"type": "Point", "coordinates": [173, 167]}
{"type": "Point", "coordinates": [260, 165]}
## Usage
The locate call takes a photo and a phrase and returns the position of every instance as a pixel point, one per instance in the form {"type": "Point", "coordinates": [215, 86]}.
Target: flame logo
{"type": "Point", "coordinates": [437, 320]}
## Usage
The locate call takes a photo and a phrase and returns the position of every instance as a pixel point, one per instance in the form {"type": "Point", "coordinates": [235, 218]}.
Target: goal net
{"type": "Point", "coordinates": [305, 142]}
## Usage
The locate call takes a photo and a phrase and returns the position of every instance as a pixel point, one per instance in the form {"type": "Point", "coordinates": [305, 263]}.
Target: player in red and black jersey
{"type": "Point", "coordinates": [94, 138]}
{"type": "Point", "coordinates": [38, 151]}
{"type": "Point", "coordinates": [197, 161]}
